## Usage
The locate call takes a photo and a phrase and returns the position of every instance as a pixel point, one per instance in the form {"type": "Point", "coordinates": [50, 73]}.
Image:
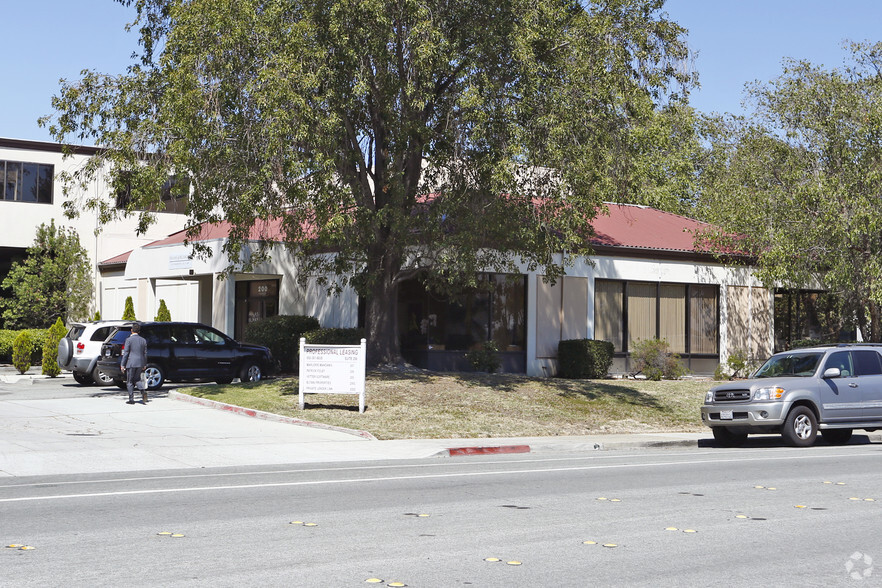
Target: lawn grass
{"type": "Point", "coordinates": [429, 405]}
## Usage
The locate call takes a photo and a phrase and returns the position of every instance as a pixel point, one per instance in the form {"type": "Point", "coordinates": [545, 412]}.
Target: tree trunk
{"type": "Point", "coordinates": [381, 321]}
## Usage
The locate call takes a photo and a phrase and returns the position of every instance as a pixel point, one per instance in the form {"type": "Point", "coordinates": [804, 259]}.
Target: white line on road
{"type": "Point", "coordinates": [425, 477]}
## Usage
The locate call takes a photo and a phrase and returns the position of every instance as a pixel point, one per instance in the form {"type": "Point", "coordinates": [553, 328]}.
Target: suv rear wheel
{"type": "Point", "coordinates": [82, 379]}
{"type": "Point", "coordinates": [155, 376]}
{"type": "Point", "coordinates": [101, 378]}
{"type": "Point", "coordinates": [801, 427]}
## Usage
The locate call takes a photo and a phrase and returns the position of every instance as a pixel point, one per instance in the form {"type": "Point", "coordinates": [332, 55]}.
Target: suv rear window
{"type": "Point", "coordinates": [75, 332]}
{"type": "Point", "coordinates": [120, 335]}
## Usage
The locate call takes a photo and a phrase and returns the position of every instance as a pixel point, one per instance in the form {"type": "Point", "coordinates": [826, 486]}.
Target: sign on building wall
{"type": "Point", "coordinates": [332, 369]}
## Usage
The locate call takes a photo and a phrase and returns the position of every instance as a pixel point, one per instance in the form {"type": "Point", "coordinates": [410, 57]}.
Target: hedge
{"type": "Point", "coordinates": [282, 335]}
{"type": "Point", "coordinates": [7, 338]}
{"type": "Point", "coordinates": [584, 358]}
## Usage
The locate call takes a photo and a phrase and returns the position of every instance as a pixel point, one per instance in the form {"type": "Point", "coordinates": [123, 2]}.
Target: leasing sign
{"type": "Point", "coordinates": [332, 369]}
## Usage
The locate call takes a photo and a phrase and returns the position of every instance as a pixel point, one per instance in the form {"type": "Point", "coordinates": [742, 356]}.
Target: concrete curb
{"type": "Point", "coordinates": [268, 416]}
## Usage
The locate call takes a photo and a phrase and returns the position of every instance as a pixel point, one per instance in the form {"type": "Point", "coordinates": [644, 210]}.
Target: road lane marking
{"type": "Point", "coordinates": [416, 477]}
{"type": "Point", "coordinates": [434, 464]}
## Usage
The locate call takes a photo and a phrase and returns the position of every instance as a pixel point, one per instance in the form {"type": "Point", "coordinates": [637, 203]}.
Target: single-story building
{"type": "Point", "coordinates": [646, 280]}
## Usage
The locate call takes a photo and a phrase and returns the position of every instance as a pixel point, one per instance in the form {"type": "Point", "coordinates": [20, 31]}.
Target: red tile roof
{"type": "Point", "coordinates": [641, 227]}
{"type": "Point", "coordinates": [626, 226]}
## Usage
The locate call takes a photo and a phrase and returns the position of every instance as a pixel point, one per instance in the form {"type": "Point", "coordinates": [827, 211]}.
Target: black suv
{"type": "Point", "coordinates": [188, 352]}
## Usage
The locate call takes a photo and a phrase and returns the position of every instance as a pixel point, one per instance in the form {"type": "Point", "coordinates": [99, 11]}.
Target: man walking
{"type": "Point", "coordinates": [134, 358]}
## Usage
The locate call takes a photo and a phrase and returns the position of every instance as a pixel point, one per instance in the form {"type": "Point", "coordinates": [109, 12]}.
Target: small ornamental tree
{"type": "Point", "coordinates": [54, 280]}
{"type": "Point", "coordinates": [162, 315]}
{"type": "Point", "coordinates": [22, 349]}
{"type": "Point", "coordinates": [50, 348]}
{"type": "Point", "coordinates": [129, 312]}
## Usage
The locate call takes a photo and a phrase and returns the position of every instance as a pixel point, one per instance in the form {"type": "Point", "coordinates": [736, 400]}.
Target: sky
{"type": "Point", "coordinates": [734, 41]}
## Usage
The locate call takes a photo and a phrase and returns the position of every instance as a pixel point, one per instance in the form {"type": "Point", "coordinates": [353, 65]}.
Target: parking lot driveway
{"type": "Point", "coordinates": [101, 433]}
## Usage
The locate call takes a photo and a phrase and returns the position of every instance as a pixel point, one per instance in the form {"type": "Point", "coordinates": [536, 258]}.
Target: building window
{"type": "Point", "coordinates": [27, 182]}
{"type": "Point", "coordinates": [494, 313]}
{"type": "Point", "coordinates": [174, 194]}
{"type": "Point", "coordinates": [684, 315]}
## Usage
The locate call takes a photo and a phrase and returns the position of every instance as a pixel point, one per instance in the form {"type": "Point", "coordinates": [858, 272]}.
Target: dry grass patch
{"type": "Point", "coordinates": [426, 405]}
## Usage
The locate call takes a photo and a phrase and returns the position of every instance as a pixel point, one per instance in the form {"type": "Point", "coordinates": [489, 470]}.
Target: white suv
{"type": "Point", "coordinates": [79, 350]}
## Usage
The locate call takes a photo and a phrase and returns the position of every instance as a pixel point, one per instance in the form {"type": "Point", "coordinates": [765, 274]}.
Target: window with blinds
{"type": "Point", "coordinates": [684, 315]}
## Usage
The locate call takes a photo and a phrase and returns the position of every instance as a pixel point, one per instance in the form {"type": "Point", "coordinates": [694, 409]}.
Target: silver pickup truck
{"type": "Point", "coordinates": [832, 390]}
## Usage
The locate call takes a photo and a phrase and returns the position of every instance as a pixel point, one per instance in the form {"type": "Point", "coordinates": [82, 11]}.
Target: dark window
{"type": "Point", "coordinates": [841, 360]}
{"type": "Point", "coordinates": [101, 333]}
{"type": "Point", "coordinates": [174, 194]}
{"type": "Point", "coordinates": [866, 363]}
{"type": "Point", "coordinates": [27, 182]}
{"type": "Point", "coordinates": [495, 312]}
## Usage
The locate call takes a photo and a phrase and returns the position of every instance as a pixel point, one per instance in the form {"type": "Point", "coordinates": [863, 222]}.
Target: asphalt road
{"type": "Point", "coordinates": [701, 517]}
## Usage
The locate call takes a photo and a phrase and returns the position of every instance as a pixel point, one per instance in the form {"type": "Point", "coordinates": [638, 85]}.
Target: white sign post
{"type": "Point", "coordinates": [332, 369]}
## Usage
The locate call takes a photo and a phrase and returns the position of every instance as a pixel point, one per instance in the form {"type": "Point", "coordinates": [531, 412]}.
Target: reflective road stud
{"type": "Point", "coordinates": [373, 581]}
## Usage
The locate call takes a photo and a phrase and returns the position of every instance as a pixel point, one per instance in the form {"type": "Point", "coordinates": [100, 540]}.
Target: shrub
{"type": "Point", "coordinates": [162, 315]}
{"type": "Point", "coordinates": [7, 340]}
{"type": "Point", "coordinates": [282, 335]}
{"type": "Point", "coordinates": [653, 359]}
{"type": "Point", "coordinates": [50, 348]}
{"type": "Point", "coordinates": [584, 358]}
{"type": "Point", "coordinates": [22, 351]}
{"type": "Point", "coordinates": [485, 359]}
{"type": "Point", "coordinates": [97, 316]}
{"type": "Point", "coordinates": [129, 312]}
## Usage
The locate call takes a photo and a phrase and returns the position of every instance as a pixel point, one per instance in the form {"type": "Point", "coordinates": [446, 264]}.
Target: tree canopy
{"type": "Point", "coordinates": [799, 181]}
{"type": "Point", "coordinates": [54, 281]}
{"type": "Point", "coordinates": [411, 138]}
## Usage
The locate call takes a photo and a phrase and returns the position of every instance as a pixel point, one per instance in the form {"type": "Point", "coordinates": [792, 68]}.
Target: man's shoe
{"type": "Point", "coordinates": [144, 397]}
{"type": "Point", "coordinates": [131, 401]}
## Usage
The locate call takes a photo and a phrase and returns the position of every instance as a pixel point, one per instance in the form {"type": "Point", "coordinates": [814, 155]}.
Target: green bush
{"type": "Point", "coordinates": [282, 335]}
{"type": "Point", "coordinates": [584, 358]}
{"type": "Point", "coordinates": [162, 315]}
{"type": "Point", "coordinates": [7, 340]}
{"type": "Point", "coordinates": [50, 348]}
{"type": "Point", "coordinates": [22, 351]}
{"type": "Point", "coordinates": [652, 358]}
{"type": "Point", "coordinates": [485, 359]}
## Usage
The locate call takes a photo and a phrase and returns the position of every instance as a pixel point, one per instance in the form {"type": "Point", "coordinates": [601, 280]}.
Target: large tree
{"type": "Point", "coordinates": [54, 281]}
{"type": "Point", "coordinates": [800, 181]}
{"type": "Point", "coordinates": [402, 138]}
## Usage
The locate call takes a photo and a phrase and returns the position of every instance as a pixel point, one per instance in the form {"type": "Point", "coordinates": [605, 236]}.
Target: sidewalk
{"type": "Point", "coordinates": [95, 434]}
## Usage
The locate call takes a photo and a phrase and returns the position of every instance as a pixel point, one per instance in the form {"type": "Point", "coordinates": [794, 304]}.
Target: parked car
{"type": "Point", "coordinates": [183, 352]}
{"type": "Point", "coordinates": [80, 349]}
{"type": "Point", "coordinates": [832, 390]}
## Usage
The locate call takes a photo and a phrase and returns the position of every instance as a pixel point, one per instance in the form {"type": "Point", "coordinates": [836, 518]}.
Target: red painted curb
{"type": "Point", "coordinates": [265, 415]}
{"type": "Point", "coordinates": [489, 450]}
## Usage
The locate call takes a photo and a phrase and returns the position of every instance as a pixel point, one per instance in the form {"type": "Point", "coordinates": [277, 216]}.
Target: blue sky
{"type": "Point", "coordinates": [736, 41]}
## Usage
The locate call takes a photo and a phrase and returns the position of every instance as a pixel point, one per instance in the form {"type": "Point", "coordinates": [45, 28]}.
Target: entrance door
{"type": "Point", "coordinates": [255, 300]}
